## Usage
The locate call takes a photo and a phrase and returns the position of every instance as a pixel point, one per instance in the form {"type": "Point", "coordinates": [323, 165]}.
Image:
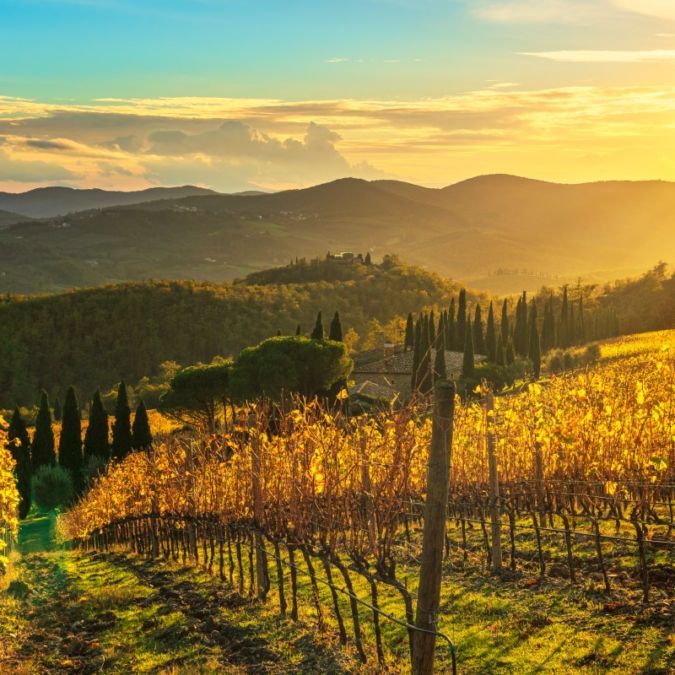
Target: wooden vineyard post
{"type": "Point", "coordinates": [261, 571]}
{"type": "Point", "coordinates": [435, 511]}
{"type": "Point", "coordinates": [539, 483]}
{"type": "Point", "coordinates": [495, 507]}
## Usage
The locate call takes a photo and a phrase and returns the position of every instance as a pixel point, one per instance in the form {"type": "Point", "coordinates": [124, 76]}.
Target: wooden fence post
{"type": "Point", "coordinates": [435, 512]}
{"type": "Point", "coordinates": [495, 506]}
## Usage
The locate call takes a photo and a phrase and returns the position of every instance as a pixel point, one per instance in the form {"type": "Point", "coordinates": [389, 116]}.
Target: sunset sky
{"type": "Point", "coordinates": [241, 94]}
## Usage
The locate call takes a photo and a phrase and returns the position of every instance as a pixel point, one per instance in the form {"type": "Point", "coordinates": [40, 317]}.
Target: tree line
{"type": "Point", "coordinates": [76, 457]}
{"type": "Point", "coordinates": [532, 329]}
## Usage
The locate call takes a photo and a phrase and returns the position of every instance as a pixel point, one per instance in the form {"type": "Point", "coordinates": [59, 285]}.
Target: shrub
{"type": "Point", "coordinates": [52, 487]}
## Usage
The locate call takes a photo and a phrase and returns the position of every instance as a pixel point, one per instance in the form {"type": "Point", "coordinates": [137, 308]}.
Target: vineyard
{"type": "Point", "coordinates": [9, 501]}
{"type": "Point", "coordinates": [572, 478]}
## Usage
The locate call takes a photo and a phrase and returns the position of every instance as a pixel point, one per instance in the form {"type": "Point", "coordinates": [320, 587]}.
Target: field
{"type": "Point", "coordinates": [161, 571]}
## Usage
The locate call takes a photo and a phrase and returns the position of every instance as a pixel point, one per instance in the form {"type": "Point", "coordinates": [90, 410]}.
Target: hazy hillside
{"type": "Point", "coordinates": [8, 218]}
{"type": "Point", "coordinates": [496, 233]}
{"type": "Point", "coordinates": [57, 201]}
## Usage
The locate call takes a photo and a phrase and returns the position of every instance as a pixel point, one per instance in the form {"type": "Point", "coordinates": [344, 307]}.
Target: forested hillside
{"type": "Point", "coordinates": [94, 337]}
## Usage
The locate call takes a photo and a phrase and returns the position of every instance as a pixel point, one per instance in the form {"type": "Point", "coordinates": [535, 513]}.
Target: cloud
{"type": "Point", "coordinates": [337, 59]}
{"type": "Point", "coordinates": [662, 9]}
{"type": "Point", "coordinates": [539, 11]}
{"type": "Point", "coordinates": [233, 144]}
{"type": "Point", "coordinates": [605, 56]}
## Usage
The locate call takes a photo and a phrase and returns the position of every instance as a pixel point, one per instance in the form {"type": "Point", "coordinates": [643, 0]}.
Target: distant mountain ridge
{"type": "Point", "coordinates": [498, 233]}
{"type": "Point", "coordinates": [58, 201]}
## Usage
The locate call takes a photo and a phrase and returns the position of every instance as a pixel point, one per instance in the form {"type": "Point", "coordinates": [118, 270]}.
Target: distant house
{"type": "Point", "coordinates": [390, 370]}
{"type": "Point", "coordinates": [347, 257]}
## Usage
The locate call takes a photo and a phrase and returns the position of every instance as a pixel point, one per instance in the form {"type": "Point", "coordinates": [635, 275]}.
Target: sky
{"type": "Point", "coordinates": [275, 94]}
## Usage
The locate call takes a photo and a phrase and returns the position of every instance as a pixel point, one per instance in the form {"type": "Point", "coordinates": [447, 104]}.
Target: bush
{"type": "Point", "coordinates": [52, 487]}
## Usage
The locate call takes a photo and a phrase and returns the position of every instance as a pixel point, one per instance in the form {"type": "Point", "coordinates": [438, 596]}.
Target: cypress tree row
{"type": "Point", "coordinates": [335, 332]}
{"type": "Point", "coordinates": [461, 320]}
{"type": "Point", "coordinates": [491, 336]}
{"type": "Point", "coordinates": [468, 361]}
{"type": "Point", "coordinates": [409, 341]}
{"type": "Point", "coordinates": [70, 442]}
{"type": "Point", "coordinates": [581, 328]}
{"type": "Point", "coordinates": [317, 333]}
{"type": "Point", "coordinates": [141, 436]}
{"type": "Point", "coordinates": [96, 436]}
{"type": "Point", "coordinates": [42, 449]}
{"type": "Point", "coordinates": [478, 334]}
{"type": "Point", "coordinates": [510, 353]}
{"type": "Point", "coordinates": [19, 445]}
{"type": "Point", "coordinates": [431, 322]}
{"type": "Point", "coordinates": [121, 431]}
{"type": "Point", "coordinates": [571, 327]}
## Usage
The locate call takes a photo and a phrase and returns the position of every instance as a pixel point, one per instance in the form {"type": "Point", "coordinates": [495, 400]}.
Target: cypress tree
{"type": "Point", "coordinates": [533, 331]}
{"type": "Point", "coordinates": [409, 341]}
{"type": "Point", "coordinates": [298, 330]}
{"type": "Point", "coordinates": [563, 333]}
{"type": "Point", "coordinates": [335, 332]}
{"type": "Point", "coordinates": [70, 442]}
{"type": "Point", "coordinates": [451, 334]}
{"type": "Point", "coordinates": [441, 329]}
{"type": "Point", "coordinates": [141, 436]}
{"type": "Point", "coordinates": [468, 361]}
{"type": "Point", "coordinates": [42, 449]}
{"type": "Point", "coordinates": [501, 352]}
{"type": "Point", "coordinates": [58, 411]}
{"type": "Point", "coordinates": [505, 328]}
{"type": "Point", "coordinates": [581, 332]}
{"type": "Point", "coordinates": [19, 445]}
{"type": "Point", "coordinates": [440, 371]}
{"type": "Point", "coordinates": [368, 259]}
{"type": "Point", "coordinates": [478, 332]}
{"type": "Point", "coordinates": [317, 333]}
{"type": "Point", "coordinates": [425, 377]}
{"type": "Point", "coordinates": [461, 320]}
{"type": "Point", "coordinates": [521, 335]}
{"type": "Point", "coordinates": [548, 327]}
{"type": "Point", "coordinates": [572, 327]}
{"type": "Point", "coordinates": [510, 355]}
{"type": "Point", "coordinates": [96, 436]}
{"type": "Point", "coordinates": [535, 351]}
{"type": "Point", "coordinates": [491, 336]}
{"type": "Point", "coordinates": [414, 379]}
{"type": "Point", "coordinates": [121, 431]}
{"type": "Point", "coordinates": [431, 319]}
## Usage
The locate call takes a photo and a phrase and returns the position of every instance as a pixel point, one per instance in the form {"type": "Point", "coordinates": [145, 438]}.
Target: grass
{"type": "Point", "coordinates": [125, 614]}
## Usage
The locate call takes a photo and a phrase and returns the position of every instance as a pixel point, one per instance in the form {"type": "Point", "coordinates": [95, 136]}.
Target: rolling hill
{"type": "Point", "coordinates": [58, 201]}
{"type": "Point", "coordinates": [8, 218]}
{"type": "Point", "coordinates": [498, 233]}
